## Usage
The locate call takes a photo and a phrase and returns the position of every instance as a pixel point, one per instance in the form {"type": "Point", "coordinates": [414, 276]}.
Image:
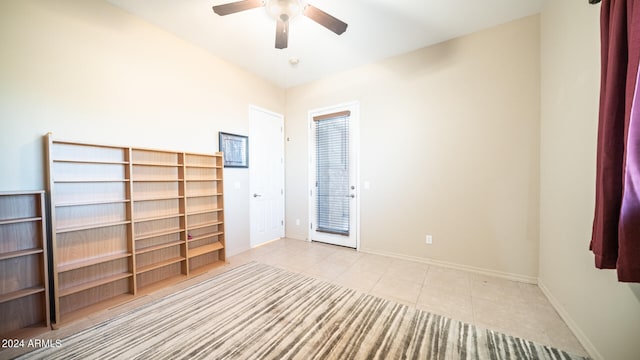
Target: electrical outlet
{"type": "Point", "coordinates": [429, 240]}
{"type": "Point", "coordinates": [297, 222]}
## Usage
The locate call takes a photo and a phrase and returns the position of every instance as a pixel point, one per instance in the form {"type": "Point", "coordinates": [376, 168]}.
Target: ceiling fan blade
{"type": "Point", "coordinates": [324, 19]}
{"type": "Point", "coordinates": [234, 7]}
{"type": "Point", "coordinates": [282, 34]}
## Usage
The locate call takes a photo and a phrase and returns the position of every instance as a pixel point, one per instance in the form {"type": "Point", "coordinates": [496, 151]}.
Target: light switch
{"type": "Point", "coordinates": [236, 185]}
{"type": "Point", "coordinates": [367, 185]}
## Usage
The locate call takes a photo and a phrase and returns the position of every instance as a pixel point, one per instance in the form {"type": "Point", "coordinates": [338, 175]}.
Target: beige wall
{"type": "Point", "coordinates": [88, 71]}
{"type": "Point", "coordinates": [449, 144]}
{"type": "Point", "coordinates": [603, 313]}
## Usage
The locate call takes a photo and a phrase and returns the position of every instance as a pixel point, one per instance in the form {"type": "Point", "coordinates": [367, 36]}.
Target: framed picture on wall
{"type": "Point", "coordinates": [235, 149]}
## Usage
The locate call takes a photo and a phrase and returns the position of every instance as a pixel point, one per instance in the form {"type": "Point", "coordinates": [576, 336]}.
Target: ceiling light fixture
{"type": "Point", "coordinates": [284, 10]}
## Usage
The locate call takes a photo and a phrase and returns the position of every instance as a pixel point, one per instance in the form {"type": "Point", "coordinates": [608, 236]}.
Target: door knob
{"type": "Point", "coordinates": [256, 195]}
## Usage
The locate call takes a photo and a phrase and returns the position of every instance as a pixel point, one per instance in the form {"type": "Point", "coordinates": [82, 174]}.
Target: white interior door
{"type": "Point", "coordinates": [266, 175]}
{"type": "Point", "coordinates": [333, 185]}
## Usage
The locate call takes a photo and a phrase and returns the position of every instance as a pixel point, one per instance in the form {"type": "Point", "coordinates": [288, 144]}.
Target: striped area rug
{"type": "Point", "coordinates": [258, 311]}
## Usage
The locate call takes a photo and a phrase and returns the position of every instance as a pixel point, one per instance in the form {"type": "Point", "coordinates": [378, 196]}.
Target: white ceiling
{"type": "Point", "coordinates": [377, 29]}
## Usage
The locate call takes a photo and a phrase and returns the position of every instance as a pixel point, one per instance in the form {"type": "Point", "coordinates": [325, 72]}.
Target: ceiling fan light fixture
{"type": "Point", "coordinates": [284, 10]}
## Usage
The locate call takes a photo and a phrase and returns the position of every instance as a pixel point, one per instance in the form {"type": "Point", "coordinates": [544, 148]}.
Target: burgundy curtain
{"type": "Point", "coordinates": [615, 239]}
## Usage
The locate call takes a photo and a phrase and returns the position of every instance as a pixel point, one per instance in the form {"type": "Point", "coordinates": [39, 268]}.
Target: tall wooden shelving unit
{"type": "Point", "coordinates": [24, 285]}
{"type": "Point", "coordinates": [120, 219]}
{"type": "Point", "coordinates": [159, 219]}
{"type": "Point", "coordinates": [204, 210]}
{"type": "Point", "coordinates": [93, 259]}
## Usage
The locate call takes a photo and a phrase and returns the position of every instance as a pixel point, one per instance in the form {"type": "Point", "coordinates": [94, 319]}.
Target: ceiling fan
{"type": "Point", "coordinates": [283, 11]}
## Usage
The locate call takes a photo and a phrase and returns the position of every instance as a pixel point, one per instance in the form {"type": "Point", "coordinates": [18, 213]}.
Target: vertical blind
{"type": "Point", "coordinates": [332, 172]}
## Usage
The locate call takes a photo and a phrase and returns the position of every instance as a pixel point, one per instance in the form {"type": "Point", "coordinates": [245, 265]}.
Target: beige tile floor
{"type": "Point", "coordinates": [511, 307]}
{"type": "Point", "coordinates": [514, 308]}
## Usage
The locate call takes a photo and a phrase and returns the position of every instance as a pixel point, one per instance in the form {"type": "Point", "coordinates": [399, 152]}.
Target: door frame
{"type": "Point", "coordinates": [354, 118]}
{"type": "Point", "coordinates": [252, 243]}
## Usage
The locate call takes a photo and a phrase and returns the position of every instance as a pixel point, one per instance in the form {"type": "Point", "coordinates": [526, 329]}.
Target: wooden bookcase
{"type": "Point", "coordinates": [120, 218]}
{"type": "Point", "coordinates": [159, 216]}
{"type": "Point", "coordinates": [204, 210]}
{"type": "Point", "coordinates": [91, 226]}
{"type": "Point", "coordinates": [24, 286]}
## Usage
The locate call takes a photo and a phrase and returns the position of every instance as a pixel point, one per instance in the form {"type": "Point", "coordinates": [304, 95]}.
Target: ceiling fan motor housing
{"type": "Point", "coordinates": [284, 10]}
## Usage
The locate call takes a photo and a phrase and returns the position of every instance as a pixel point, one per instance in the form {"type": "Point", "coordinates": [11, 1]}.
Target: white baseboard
{"type": "Point", "coordinates": [580, 335]}
{"type": "Point", "coordinates": [237, 251]}
{"type": "Point", "coordinates": [488, 272]}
